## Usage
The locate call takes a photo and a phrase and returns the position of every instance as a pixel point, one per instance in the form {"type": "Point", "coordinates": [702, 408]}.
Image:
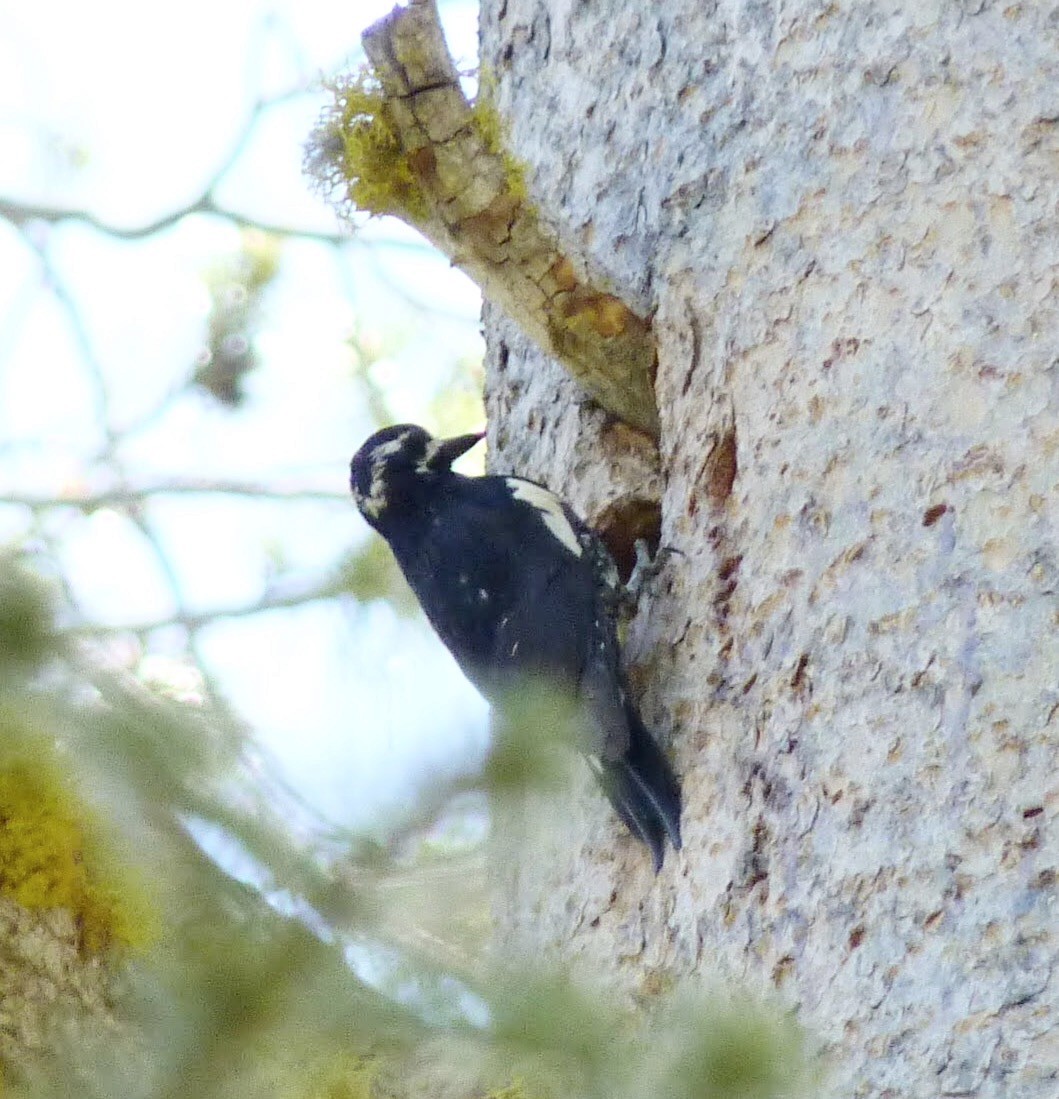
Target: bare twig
{"type": "Point", "coordinates": [22, 214]}
{"type": "Point", "coordinates": [196, 620]}
{"type": "Point", "coordinates": [80, 333]}
{"type": "Point", "coordinates": [127, 495]}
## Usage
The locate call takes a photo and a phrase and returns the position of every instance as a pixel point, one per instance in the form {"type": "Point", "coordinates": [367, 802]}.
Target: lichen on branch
{"type": "Point", "coordinates": [401, 138]}
{"type": "Point", "coordinates": [50, 856]}
{"type": "Point", "coordinates": [357, 153]}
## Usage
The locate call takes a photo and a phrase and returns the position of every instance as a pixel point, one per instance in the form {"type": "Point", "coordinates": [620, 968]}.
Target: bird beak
{"type": "Point", "coordinates": [443, 452]}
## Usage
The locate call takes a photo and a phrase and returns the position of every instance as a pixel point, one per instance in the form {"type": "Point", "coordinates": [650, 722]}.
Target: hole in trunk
{"type": "Point", "coordinates": [623, 523]}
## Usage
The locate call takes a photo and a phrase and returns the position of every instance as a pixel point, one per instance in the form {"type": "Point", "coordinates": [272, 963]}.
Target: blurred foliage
{"type": "Point", "coordinates": [346, 1078]}
{"type": "Point", "coordinates": [732, 1049]}
{"type": "Point", "coordinates": [458, 408]}
{"type": "Point", "coordinates": [237, 286]}
{"type": "Point", "coordinates": [27, 638]}
{"type": "Point", "coordinates": [455, 408]}
{"type": "Point", "coordinates": [372, 573]}
{"type": "Point", "coordinates": [368, 349]}
{"type": "Point", "coordinates": [532, 742]}
{"type": "Point", "coordinates": [248, 989]}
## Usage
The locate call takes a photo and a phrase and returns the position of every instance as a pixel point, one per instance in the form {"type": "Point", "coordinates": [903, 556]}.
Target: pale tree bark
{"type": "Point", "coordinates": [47, 983]}
{"type": "Point", "coordinates": [844, 220]}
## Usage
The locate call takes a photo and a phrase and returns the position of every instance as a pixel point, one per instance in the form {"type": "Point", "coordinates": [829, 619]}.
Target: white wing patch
{"type": "Point", "coordinates": [550, 509]}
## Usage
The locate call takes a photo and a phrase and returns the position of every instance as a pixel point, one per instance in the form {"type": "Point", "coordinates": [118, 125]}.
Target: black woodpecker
{"type": "Point", "coordinates": [517, 587]}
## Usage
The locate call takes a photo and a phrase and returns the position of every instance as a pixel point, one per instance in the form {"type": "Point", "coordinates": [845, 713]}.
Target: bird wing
{"type": "Point", "coordinates": [559, 630]}
{"type": "Point", "coordinates": [514, 594]}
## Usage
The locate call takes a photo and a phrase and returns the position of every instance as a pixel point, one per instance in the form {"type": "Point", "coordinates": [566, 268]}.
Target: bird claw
{"type": "Point", "coordinates": [647, 568]}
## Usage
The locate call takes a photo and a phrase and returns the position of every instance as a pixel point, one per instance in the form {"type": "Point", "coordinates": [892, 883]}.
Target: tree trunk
{"type": "Point", "coordinates": [845, 220]}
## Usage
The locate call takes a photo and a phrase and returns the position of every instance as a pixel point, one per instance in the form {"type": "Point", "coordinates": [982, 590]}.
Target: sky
{"type": "Point", "coordinates": [125, 110]}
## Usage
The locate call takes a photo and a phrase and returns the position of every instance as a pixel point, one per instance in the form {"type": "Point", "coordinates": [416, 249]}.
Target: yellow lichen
{"type": "Point", "coordinates": [492, 129]}
{"type": "Point", "coordinates": [356, 149]}
{"type": "Point", "coordinates": [52, 857]}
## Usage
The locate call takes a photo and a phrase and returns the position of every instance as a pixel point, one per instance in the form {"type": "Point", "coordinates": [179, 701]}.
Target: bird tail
{"type": "Point", "coordinates": [643, 790]}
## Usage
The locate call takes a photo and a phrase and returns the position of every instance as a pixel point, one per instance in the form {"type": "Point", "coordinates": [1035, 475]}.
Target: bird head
{"type": "Point", "coordinates": [396, 465]}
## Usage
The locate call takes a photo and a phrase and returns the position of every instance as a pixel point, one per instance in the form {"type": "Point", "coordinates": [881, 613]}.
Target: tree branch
{"type": "Point", "coordinates": [22, 213]}
{"type": "Point", "coordinates": [195, 620]}
{"type": "Point", "coordinates": [414, 147]}
{"type": "Point", "coordinates": [127, 495]}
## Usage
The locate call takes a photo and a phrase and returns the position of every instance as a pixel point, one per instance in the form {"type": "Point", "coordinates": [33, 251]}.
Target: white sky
{"type": "Point", "coordinates": [125, 109]}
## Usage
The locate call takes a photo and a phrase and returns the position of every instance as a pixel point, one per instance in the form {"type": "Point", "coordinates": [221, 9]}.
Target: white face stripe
{"type": "Point", "coordinates": [375, 500]}
{"type": "Point", "coordinates": [394, 446]}
{"type": "Point", "coordinates": [431, 453]}
{"type": "Point", "coordinates": [550, 509]}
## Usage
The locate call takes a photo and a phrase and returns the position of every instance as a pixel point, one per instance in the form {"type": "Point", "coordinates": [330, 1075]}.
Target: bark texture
{"type": "Point", "coordinates": [47, 985]}
{"type": "Point", "coordinates": [845, 219]}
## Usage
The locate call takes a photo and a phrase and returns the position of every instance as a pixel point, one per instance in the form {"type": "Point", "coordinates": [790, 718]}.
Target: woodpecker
{"type": "Point", "coordinates": [518, 587]}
